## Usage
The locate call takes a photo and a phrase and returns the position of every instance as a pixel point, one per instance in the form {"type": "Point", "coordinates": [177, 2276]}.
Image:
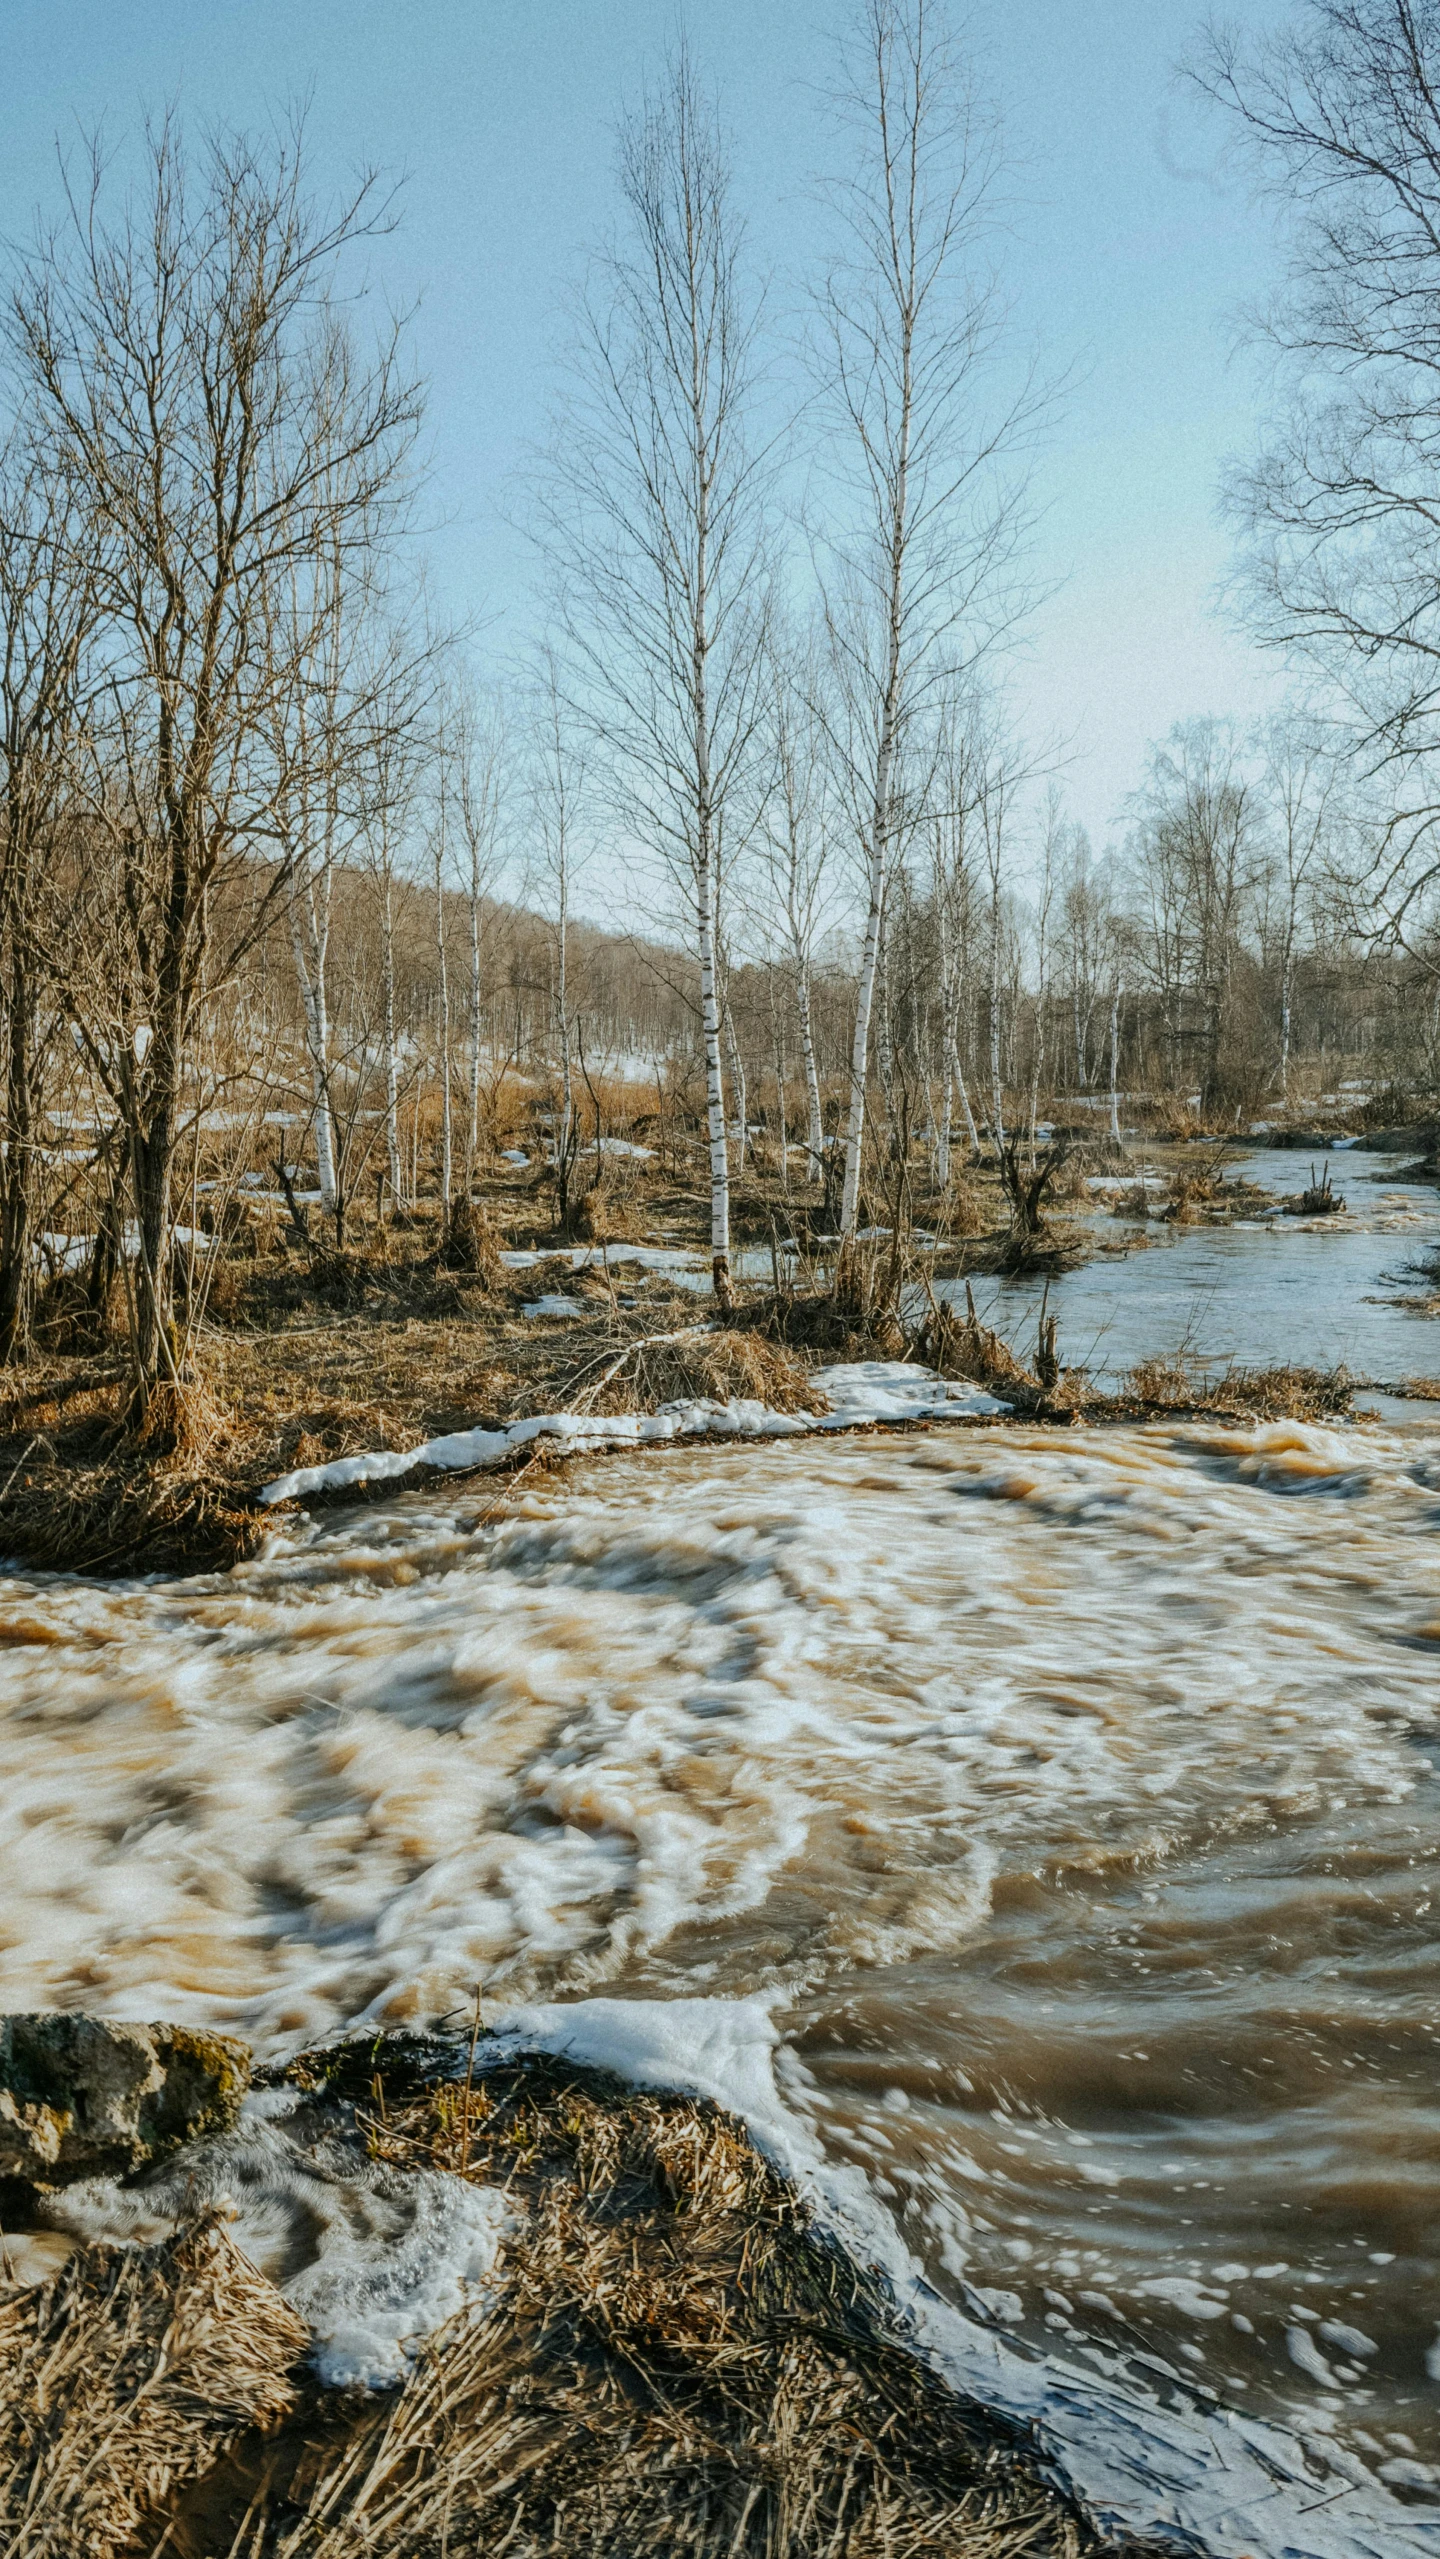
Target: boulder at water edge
{"type": "Point", "coordinates": [80, 2097]}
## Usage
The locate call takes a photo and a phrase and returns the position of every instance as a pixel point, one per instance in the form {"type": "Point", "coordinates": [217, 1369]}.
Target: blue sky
{"type": "Point", "coordinates": [1132, 249]}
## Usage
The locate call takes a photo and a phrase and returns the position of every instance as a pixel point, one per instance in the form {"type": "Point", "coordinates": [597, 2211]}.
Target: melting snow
{"type": "Point", "coordinates": [860, 1391]}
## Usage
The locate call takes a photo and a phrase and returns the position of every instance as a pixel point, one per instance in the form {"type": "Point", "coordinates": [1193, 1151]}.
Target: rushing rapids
{"type": "Point", "coordinates": [1072, 1793]}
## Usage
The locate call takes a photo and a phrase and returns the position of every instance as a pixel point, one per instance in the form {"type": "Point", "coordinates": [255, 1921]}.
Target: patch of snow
{"type": "Point", "coordinates": [859, 1392]}
{"type": "Point", "coordinates": [513, 1155]}
{"type": "Point", "coordinates": [553, 1306]}
{"type": "Point", "coordinates": [584, 1257]}
{"type": "Point", "coordinates": [894, 1390]}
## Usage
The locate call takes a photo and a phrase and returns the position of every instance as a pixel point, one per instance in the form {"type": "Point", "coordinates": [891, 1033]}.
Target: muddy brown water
{"type": "Point", "coordinates": [1075, 1791]}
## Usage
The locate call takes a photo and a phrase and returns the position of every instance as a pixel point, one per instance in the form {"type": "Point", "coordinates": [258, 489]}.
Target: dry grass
{"type": "Point", "coordinates": [1317, 1200]}
{"type": "Point", "coordinates": [962, 1346]}
{"type": "Point", "coordinates": [1174, 1385]}
{"type": "Point", "coordinates": [852, 1314]}
{"type": "Point", "coordinates": [680, 2363]}
{"type": "Point", "coordinates": [470, 1243]}
{"type": "Point", "coordinates": [128, 2373]}
{"type": "Point", "coordinates": [416, 1329]}
{"type": "Point", "coordinates": [723, 1363]}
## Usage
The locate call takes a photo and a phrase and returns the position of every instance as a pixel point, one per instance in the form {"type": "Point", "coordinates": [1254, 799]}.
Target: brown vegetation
{"type": "Point", "coordinates": [678, 2360]}
{"type": "Point", "coordinates": [303, 1352]}
{"type": "Point", "coordinates": [1174, 1385]}
{"type": "Point", "coordinates": [130, 2372]}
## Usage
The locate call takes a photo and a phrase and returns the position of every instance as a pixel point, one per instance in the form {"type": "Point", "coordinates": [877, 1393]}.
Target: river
{"type": "Point", "coordinates": [1073, 1792]}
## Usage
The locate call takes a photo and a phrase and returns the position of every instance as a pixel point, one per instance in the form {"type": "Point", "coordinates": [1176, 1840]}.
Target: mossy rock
{"type": "Point", "coordinates": [85, 2097]}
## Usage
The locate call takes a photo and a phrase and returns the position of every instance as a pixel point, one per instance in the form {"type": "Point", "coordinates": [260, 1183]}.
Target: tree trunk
{"type": "Point", "coordinates": [714, 1081]}
{"type": "Point", "coordinates": [447, 1128]}
{"type": "Point", "coordinates": [740, 1125]}
{"type": "Point", "coordinates": [17, 1173]}
{"type": "Point", "coordinates": [860, 1044]}
{"type": "Point", "coordinates": [392, 1064]}
{"type": "Point", "coordinates": [997, 1108]}
{"type": "Point", "coordinates": [815, 1133]}
{"type": "Point", "coordinates": [474, 1146]}
{"type": "Point", "coordinates": [312, 929]}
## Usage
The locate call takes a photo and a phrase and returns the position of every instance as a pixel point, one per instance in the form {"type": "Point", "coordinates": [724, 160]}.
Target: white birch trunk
{"type": "Point", "coordinates": [562, 1001]}
{"type": "Point", "coordinates": [997, 1106]}
{"type": "Point", "coordinates": [447, 1127]}
{"type": "Point", "coordinates": [739, 1098]}
{"type": "Point", "coordinates": [1115, 1064]}
{"type": "Point", "coordinates": [815, 1136]}
{"type": "Point", "coordinates": [309, 940]}
{"type": "Point", "coordinates": [474, 1129]}
{"type": "Point", "coordinates": [394, 1159]}
{"type": "Point", "coordinates": [714, 1080]}
{"type": "Point", "coordinates": [860, 1044]}
{"type": "Point", "coordinates": [880, 808]}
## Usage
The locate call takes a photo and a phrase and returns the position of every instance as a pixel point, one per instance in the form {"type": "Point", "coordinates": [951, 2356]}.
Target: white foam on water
{"type": "Point", "coordinates": [792, 1720]}
{"type": "Point", "coordinates": [373, 2261]}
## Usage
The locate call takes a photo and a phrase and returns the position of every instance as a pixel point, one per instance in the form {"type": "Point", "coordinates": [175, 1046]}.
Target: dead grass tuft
{"type": "Point", "coordinates": [180, 1419]}
{"type": "Point", "coordinates": [680, 2363]}
{"type": "Point", "coordinates": [470, 1243]}
{"type": "Point", "coordinates": [129, 2372]}
{"type": "Point", "coordinates": [1173, 1385]}
{"type": "Point", "coordinates": [605, 1214]}
{"type": "Point", "coordinates": [726, 1364]}
{"type": "Point", "coordinates": [855, 1316]}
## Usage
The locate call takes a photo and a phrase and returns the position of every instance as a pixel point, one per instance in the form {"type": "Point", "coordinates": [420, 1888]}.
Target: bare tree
{"type": "Point", "coordinates": [183, 353]}
{"type": "Point", "coordinates": [1341, 115]}
{"type": "Point", "coordinates": [653, 508]}
{"type": "Point", "coordinates": [476, 735]}
{"type": "Point", "coordinates": [46, 604]}
{"type": "Point", "coordinates": [1052, 844]}
{"type": "Point", "coordinates": [557, 795]}
{"type": "Point", "coordinates": [797, 829]}
{"type": "Point", "coordinates": [912, 322]}
{"type": "Point", "coordinates": [1201, 816]}
{"type": "Point", "coordinates": [1300, 786]}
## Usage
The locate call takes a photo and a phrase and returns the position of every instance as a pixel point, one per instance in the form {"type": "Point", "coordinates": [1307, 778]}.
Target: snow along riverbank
{"type": "Point", "coordinates": [858, 1391]}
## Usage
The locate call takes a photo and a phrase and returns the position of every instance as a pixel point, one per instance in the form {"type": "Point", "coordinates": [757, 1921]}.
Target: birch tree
{"type": "Point", "coordinates": [797, 836]}
{"type": "Point", "coordinates": [911, 328]}
{"type": "Point", "coordinates": [952, 825]}
{"type": "Point", "coordinates": [556, 798]}
{"type": "Point", "coordinates": [1300, 785]}
{"type": "Point", "coordinates": [477, 737]}
{"type": "Point", "coordinates": [655, 523]}
{"type": "Point", "coordinates": [1338, 112]}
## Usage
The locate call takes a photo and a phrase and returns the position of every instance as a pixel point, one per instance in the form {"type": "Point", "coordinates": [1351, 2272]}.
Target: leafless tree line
{"type": "Point", "coordinates": [277, 870]}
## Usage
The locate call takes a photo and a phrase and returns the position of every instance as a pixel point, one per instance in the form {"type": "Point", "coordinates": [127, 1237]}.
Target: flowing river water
{"type": "Point", "coordinates": [1073, 1793]}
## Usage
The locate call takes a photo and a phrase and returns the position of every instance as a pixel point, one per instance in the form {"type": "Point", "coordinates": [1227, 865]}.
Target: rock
{"type": "Point", "coordinates": [80, 2097]}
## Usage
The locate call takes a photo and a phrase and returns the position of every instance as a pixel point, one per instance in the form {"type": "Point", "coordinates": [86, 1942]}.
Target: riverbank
{"type": "Point", "coordinates": [666, 2352]}
{"type": "Point", "coordinates": [301, 1355]}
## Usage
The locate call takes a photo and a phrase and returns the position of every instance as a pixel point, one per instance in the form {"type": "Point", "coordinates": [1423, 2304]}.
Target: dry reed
{"type": "Point", "coordinates": [680, 2362]}
{"type": "Point", "coordinates": [130, 2372]}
